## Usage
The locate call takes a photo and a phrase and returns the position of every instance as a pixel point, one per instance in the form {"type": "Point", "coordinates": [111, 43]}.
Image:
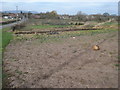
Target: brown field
{"type": "Point", "coordinates": [65, 63]}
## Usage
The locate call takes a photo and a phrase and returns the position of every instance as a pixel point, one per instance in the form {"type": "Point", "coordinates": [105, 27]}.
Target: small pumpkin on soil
{"type": "Point", "coordinates": [96, 47]}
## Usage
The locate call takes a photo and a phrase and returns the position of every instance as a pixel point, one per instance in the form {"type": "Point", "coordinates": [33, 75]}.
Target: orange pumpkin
{"type": "Point", "coordinates": [96, 47]}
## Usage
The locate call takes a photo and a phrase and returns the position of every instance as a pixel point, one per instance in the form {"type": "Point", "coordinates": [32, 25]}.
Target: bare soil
{"type": "Point", "coordinates": [70, 63]}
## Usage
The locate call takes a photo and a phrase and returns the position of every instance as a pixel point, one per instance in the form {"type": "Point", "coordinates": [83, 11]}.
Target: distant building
{"type": "Point", "coordinates": [36, 16]}
{"type": "Point", "coordinates": [6, 17]}
{"type": "Point", "coordinates": [9, 16]}
{"type": "Point", "coordinates": [65, 17]}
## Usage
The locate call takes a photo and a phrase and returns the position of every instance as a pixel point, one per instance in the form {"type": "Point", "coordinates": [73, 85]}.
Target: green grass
{"type": "Point", "coordinates": [6, 19]}
{"type": "Point", "coordinates": [54, 38]}
{"type": "Point", "coordinates": [0, 40]}
{"type": "Point", "coordinates": [48, 26]}
{"type": "Point", "coordinates": [117, 65]}
{"type": "Point", "coordinates": [0, 58]}
{"type": "Point", "coordinates": [29, 28]}
{"type": "Point", "coordinates": [0, 45]}
{"type": "Point", "coordinates": [5, 29]}
{"type": "Point", "coordinates": [19, 72]}
{"type": "Point", "coordinates": [110, 23]}
{"type": "Point", "coordinates": [6, 37]}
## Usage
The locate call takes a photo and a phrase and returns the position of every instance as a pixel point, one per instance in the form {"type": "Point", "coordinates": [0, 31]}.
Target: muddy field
{"type": "Point", "coordinates": [70, 63]}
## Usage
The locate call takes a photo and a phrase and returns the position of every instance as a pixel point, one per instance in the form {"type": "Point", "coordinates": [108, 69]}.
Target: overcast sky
{"type": "Point", "coordinates": [63, 6]}
{"type": "Point", "coordinates": [60, 0]}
